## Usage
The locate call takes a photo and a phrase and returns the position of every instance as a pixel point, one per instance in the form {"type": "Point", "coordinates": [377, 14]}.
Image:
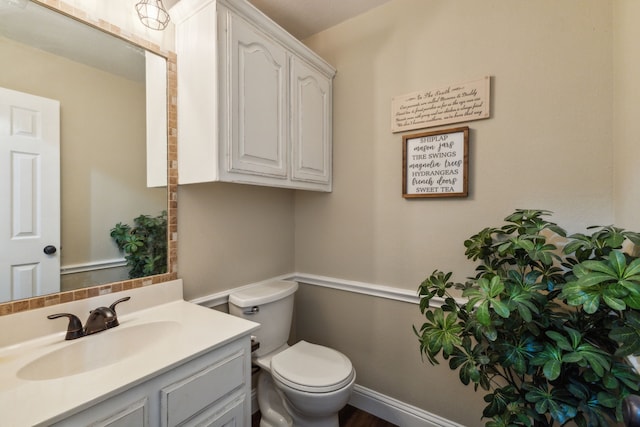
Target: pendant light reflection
{"type": "Point", "coordinates": [153, 14]}
{"type": "Point", "coordinates": [18, 3]}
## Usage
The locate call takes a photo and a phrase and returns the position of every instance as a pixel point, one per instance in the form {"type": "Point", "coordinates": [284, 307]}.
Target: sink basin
{"type": "Point", "coordinates": [98, 350]}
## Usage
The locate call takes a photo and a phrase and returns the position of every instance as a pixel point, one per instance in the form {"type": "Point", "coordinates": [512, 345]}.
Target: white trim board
{"type": "Point", "coordinates": [94, 265]}
{"type": "Point", "coordinates": [381, 291]}
{"type": "Point", "coordinates": [386, 408]}
{"type": "Point", "coordinates": [370, 289]}
{"type": "Point", "coordinates": [395, 411]}
{"type": "Point", "coordinates": [220, 298]}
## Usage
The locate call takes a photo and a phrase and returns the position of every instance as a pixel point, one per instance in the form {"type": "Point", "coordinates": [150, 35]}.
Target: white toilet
{"type": "Point", "coordinates": [304, 385]}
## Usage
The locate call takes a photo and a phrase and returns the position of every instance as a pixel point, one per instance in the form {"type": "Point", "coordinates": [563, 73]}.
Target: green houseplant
{"type": "Point", "coordinates": [544, 331]}
{"type": "Point", "coordinates": [144, 244]}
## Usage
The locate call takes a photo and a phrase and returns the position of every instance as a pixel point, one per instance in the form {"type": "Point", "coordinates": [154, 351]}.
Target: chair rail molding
{"type": "Point", "coordinates": [364, 288]}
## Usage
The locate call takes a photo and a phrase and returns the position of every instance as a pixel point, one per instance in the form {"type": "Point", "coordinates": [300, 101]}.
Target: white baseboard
{"type": "Point", "coordinates": [395, 411]}
{"type": "Point", "coordinates": [386, 408]}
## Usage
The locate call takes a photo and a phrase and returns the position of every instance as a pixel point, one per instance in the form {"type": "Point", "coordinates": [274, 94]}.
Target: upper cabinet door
{"type": "Point", "coordinates": [254, 103]}
{"type": "Point", "coordinates": [310, 124]}
{"type": "Point", "coordinates": [258, 75]}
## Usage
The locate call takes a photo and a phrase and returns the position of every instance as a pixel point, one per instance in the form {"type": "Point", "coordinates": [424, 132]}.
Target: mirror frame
{"type": "Point", "coordinates": [172, 175]}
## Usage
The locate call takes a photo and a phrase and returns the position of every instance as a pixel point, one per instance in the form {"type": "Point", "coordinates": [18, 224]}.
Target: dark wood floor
{"type": "Point", "coordinates": [349, 417]}
{"type": "Point", "coordinates": [353, 417]}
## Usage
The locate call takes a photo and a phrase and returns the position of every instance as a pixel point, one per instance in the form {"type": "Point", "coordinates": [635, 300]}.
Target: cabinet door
{"type": "Point", "coordinates": [257, 102]}
{"type": "Point", "coordinates": [133, 416]}
{"type": "Point", "coordinates": [310, 124]}
{"type": "Point", "coordinates": [230, 414]}
{"type": "Point", "coordinates": [202, 390]}
{"type": "Point", "coordinates": [112, 413]}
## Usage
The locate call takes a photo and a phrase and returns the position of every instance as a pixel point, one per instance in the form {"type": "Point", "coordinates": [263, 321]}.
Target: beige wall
{"type": "Point", "coordinates": [377, 336]}
{"type": "Point", "coordinates": [626, 126]}
{"type": "Point", "coordinates": [548, 144]}
{"type": "Point", "coordinates": [102, 147]}
{"type": "Point", "coordinates": [231, 235]}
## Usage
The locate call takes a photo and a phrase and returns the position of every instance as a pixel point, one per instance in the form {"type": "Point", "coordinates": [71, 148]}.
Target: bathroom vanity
{"type": "Point", "coordinates": [168, 363]}
{"type": "Point", "coordinates": [254, 103]}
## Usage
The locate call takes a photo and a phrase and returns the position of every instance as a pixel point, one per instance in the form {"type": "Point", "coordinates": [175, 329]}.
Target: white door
{"type": "Point", "coordinates": [29, 195]}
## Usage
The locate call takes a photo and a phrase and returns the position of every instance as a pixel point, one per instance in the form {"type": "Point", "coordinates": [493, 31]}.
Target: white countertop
{"type": "Point", "coordinates": [26, 402]}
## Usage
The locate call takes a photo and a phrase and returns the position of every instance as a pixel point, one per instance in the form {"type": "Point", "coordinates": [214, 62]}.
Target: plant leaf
{"type": "Point", "coordinates": [500, 308]}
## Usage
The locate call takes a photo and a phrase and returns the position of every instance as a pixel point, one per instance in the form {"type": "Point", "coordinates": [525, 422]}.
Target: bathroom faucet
{"type": "Point", "coordinates": [99, 319]}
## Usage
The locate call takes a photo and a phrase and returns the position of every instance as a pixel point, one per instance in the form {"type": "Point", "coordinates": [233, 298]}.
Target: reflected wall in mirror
{"type": "Point", "coordinates": [102, 95]}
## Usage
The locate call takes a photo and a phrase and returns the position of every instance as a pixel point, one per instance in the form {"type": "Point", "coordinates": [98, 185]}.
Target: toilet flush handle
{"type": "Point", "coordinates": [253, 310]}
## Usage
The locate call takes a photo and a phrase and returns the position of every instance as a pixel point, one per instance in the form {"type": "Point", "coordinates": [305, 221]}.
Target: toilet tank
{"type": "Point", "coordinates": [271, 305]}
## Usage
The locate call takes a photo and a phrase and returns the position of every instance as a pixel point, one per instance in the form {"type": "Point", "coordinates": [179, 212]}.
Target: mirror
{"type": "Point", "coordinates": [100, 82]}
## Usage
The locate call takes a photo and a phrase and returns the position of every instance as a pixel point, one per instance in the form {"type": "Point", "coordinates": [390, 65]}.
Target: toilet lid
{"type": "Point", "coordinates": [312, 368]}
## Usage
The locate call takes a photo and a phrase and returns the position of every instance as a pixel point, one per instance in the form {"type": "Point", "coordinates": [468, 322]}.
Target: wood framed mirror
{"type": "Point", "coordinates": [96, 177]}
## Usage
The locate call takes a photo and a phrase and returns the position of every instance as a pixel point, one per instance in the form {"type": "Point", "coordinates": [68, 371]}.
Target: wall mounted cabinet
{"type": "Point", "coordinates": [254, 103]}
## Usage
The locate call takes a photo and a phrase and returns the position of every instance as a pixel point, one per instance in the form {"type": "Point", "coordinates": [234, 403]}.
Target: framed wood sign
{"type": "Point", "coordinates": [436, 164]}
{"type": "Point", "coordinates": [455, 103]}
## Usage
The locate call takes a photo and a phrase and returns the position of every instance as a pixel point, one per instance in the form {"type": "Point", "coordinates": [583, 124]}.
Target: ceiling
{"type": "Point", "coordinates": [303, 18]}
{"type": "Point", "coordinates": [44, 29]}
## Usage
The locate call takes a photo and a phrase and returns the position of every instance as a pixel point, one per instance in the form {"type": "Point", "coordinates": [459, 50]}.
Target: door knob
{"type": "Point", "coordinates": [50, 249]}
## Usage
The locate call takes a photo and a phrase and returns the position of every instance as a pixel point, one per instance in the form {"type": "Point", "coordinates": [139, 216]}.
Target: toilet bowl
{"type": "Point", "coordinates": [303, 385]}
{"type": "Point", "coordinates": [316, 382]}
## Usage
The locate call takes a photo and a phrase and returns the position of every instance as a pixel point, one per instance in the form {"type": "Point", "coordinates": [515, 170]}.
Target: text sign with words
{"type": "Point", "coordinates": [435, 164]}
{"type": "Point", "coordinates": [455, 103]}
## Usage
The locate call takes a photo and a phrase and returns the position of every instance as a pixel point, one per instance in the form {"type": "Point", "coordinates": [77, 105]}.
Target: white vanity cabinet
{"type": "Point", "coordinates": [213, 389]}
{"type": "Point", "coordinates": [254, 103]}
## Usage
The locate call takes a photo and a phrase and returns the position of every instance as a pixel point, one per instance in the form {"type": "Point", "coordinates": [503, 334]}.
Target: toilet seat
{"type": "Point", "coordinates": [312, 368]}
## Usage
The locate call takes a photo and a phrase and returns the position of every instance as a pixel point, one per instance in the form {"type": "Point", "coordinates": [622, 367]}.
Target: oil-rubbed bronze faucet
{"type": "Point", "coordinates": [99, 319]}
